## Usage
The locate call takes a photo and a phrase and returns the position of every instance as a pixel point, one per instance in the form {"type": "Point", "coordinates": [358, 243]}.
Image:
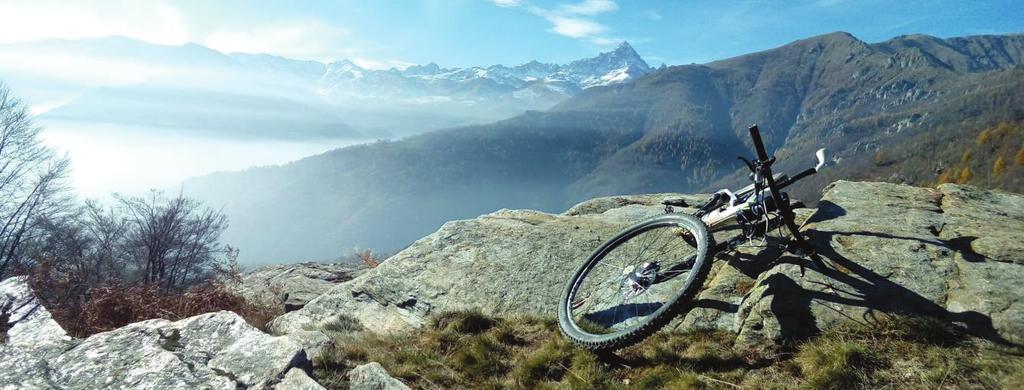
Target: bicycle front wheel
{"type": "Point", "coordinates": [634, 283]}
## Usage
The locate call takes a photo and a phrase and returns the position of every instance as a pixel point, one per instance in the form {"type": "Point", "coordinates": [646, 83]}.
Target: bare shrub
{"type": "Point", "coordinates": [368, 259]}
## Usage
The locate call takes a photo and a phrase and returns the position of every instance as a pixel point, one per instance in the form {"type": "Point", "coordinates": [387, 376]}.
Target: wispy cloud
{"type": "Point", "coordinates": [590, 7]}
{"type": "Point", "coordinates": [573, 20]}
{"type": "Point", "coordinates": [576, 28]}
{"type": "Point", "coordinates": [507, 3]}
{"type": "Point", "coordinates": [168, 23]}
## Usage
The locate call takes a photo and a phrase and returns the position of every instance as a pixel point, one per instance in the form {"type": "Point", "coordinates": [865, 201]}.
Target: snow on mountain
{"type": "Point", "coordinates": [76, 79]}
{"type": "Point", "coordinates": [534, 83]}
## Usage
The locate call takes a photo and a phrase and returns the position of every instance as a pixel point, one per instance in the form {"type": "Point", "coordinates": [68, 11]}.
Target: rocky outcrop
{"type": "Point", "coordinates": [28, 337]}
{"type": "Point", "coordinates": [952, 253]}
{"type": "Point", "coordinates": [291, 286]}
{"type": "Point", "coordinates": [373, 376]}
{"type": "Point", "coordinates": [955, 252]}
{"type": "Point", "coordinates": [506, 262]}
{"type": "Point", "coordinates": [215, 350]}
{"type": "Point", "coordinates": [24, 322]}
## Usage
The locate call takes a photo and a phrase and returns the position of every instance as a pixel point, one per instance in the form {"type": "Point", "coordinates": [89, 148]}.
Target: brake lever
{"type": "Point", "coordinates": [750, 165]}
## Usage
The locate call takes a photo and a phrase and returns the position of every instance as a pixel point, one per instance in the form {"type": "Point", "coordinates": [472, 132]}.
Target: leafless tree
{"type": "Point", "coordinates": [175, 241]}
{"type": "Point", "coordinates": [32, 181]}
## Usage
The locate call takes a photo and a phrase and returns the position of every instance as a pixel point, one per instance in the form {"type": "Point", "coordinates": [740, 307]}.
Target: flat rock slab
{"type": "Point", "coordinates": [896, 249]}
{"type": "Point", "coordinates": [506, 262]}
{"type": "Point", "coordinates": [954, 252]}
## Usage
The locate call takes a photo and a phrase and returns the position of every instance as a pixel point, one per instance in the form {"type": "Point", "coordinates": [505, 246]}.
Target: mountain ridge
{"type": "Point", "coordinates": [163, 86]}
{"type": "Point", "coordinates": [675, 129]}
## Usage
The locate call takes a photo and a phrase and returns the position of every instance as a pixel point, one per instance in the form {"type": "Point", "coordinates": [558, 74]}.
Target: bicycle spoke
{"type": "Point", "coordinates": [616, 297]}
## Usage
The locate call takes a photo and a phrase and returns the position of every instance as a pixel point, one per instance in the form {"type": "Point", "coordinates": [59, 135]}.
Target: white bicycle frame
{"type": "Point", "coordinates": [744, 200]}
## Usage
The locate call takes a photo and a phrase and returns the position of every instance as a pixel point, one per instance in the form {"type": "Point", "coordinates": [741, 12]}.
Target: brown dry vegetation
{"type": "Point", "coordinates": [116, 304]}
{"type": "Point", "coordinates": [470, 350]}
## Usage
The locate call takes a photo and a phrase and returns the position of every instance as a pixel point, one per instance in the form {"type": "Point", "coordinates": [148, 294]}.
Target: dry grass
{"type": "Point", "coordinates": [112, 306]}
{"type": "Point", "coordinates": [369, 259]}
{"type": "Point", "coordinates": [469, 350]}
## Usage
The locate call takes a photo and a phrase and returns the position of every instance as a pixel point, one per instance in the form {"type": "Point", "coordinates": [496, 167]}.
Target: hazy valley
{"type": "Point", "coordinates": [181, 111]}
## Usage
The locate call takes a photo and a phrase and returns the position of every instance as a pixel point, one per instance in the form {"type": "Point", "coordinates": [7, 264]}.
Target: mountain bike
{"type": "Point", "coordinates": [641, 278]}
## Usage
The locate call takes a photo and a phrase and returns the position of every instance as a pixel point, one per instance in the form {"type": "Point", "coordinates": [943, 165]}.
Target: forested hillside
{"type": "Point", "coordinates": [676, 129]}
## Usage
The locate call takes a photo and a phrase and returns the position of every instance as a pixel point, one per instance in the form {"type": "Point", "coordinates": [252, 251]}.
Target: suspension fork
{"type": "Point", "coordinates": [800, 245]}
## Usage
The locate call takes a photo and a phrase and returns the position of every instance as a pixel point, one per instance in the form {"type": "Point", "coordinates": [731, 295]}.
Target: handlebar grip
{"type": "Point", "coordinates": [755, 134]}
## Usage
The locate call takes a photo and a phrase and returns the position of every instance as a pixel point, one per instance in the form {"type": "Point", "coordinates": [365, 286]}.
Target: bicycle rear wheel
{"type": "Point", "coordinates": [636, 282]}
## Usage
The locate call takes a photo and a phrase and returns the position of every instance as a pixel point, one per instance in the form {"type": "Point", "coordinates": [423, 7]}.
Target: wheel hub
{"type": "Point", "coordinates": [638, 278]}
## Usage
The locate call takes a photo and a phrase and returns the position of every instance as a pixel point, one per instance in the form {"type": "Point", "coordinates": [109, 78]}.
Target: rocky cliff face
{"type": "Point", "coordinates": [954, 252]}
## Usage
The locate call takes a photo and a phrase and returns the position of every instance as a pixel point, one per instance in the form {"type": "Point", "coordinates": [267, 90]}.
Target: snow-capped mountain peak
{"type": "Point", "coordinates": [616, 66]}
{"type": "Point", "coordinates": [534, 80]}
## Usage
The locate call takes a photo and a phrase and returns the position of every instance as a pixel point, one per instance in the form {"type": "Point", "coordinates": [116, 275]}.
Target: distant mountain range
{"type": "Point", "coordinates": [193, 88]}
{"type": "Point", "coordinates": [534, 84]}
{"type": "Point", "coordinates": [917, 101]}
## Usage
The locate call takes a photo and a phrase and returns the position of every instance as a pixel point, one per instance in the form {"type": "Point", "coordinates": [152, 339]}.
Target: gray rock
{"type": "Point", "coordinates": [602, 205]}
{"type": "Point", "coordinates": [28, 337]}
{"type": "Point", "coordinates": [951, 253]}
{"type": "Point", "coordinates": [506, 262]}
{"type": "Point", "coordinates": [955, 253]}
{"type": "Point", "coordinates": [210, 351]}
{"type": "Point", "coordinates": [291, 286]}
{"type": "Point", "coordinates": [313, 342]}
{"type": "Point", "coordinates": [24, 322]}
{"type": "Point", "coordinates": [372, 376]}
{"type": "Point", "coordinates": [297, 379]}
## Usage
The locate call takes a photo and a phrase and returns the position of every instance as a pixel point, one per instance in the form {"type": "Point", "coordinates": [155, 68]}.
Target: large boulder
{"type": "Point", "coordinates": [291, 286]}
{"type": "Point", "coordinates": [506, 262]}
{"type": "Point", "coordinates": [954, 253]}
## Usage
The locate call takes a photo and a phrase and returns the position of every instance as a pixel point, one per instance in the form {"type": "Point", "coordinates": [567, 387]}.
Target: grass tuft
{"type": "Point", "coordinates": [342, 324]}
{"type": "Point", "coordinates": [837, 365]}
{"type": "Point", "coordinates": [465, 322]}
{"type": "Point", "coordinates": [549, 362]}
{"type": "Point", "coordinates": [479, 357]}
{"type": "Point", "coordinates": [470, 350]}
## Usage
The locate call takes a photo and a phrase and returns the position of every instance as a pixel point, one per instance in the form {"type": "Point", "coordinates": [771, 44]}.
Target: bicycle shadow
{"type": "Point", "coordinates": [846, 282]}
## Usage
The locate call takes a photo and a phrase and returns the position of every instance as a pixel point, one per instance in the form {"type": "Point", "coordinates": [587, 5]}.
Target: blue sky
{"type": "Point", "coordinates": [382, 33]}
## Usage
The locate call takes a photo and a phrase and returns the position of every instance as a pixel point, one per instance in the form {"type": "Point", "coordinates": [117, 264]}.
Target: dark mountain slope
{"type": "Point", "coordinates": [677, 129]}
{"type": "Point", "coordinates": [384, 195]}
